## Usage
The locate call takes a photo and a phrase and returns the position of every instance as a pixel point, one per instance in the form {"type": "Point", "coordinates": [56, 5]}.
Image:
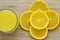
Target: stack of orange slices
{"type": "Point", "coordinates": [39, 19]}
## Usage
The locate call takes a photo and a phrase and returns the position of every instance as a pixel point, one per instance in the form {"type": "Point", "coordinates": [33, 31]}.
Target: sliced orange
{"type": "Point", "coordinates": [54, 19]}
{"type": "Point", "coordinates": [25, 20]}
{"type": "Point", "coordinates": [38, 34]}
{"type": "Point", "coordinates": [39, 5]}
{"type": "Point", "coordinates": [39, 20]}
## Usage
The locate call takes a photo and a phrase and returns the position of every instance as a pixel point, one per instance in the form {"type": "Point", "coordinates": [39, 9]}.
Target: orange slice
{"type": "Point", "coordinates": [25, 20]}
{"type": "Point", "coordinates": [39, 20]}
{"type": "Point", "coordinates": [38, 34]}
{"type": "Point", "coordinates": [39, 5]}
{"type": "Point", "coordinates": [54, 19]}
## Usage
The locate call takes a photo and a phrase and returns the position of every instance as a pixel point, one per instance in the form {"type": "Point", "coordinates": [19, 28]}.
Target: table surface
{"type": "Point", "coordinates": [18, 6]}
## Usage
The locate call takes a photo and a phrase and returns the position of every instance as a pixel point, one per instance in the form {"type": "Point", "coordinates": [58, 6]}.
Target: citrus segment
{"type": "Point", "coordinates": [25, 20]}
{"type": "Point", "coordinates": [53, 18]}
{"type": "Point", "coordinates": [38, 34]}
{"type": "Point", "coordinates": [38, 5]}
{"type": "Point", "coordinates": [39, 20]}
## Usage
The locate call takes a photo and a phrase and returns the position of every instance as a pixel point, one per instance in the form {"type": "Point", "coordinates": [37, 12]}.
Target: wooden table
{"type": "Point", "coordinates": [18, 6]}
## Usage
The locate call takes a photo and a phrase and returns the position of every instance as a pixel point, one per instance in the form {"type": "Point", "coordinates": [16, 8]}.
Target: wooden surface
{"type": "Point", "coordinates": [18, 6]}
